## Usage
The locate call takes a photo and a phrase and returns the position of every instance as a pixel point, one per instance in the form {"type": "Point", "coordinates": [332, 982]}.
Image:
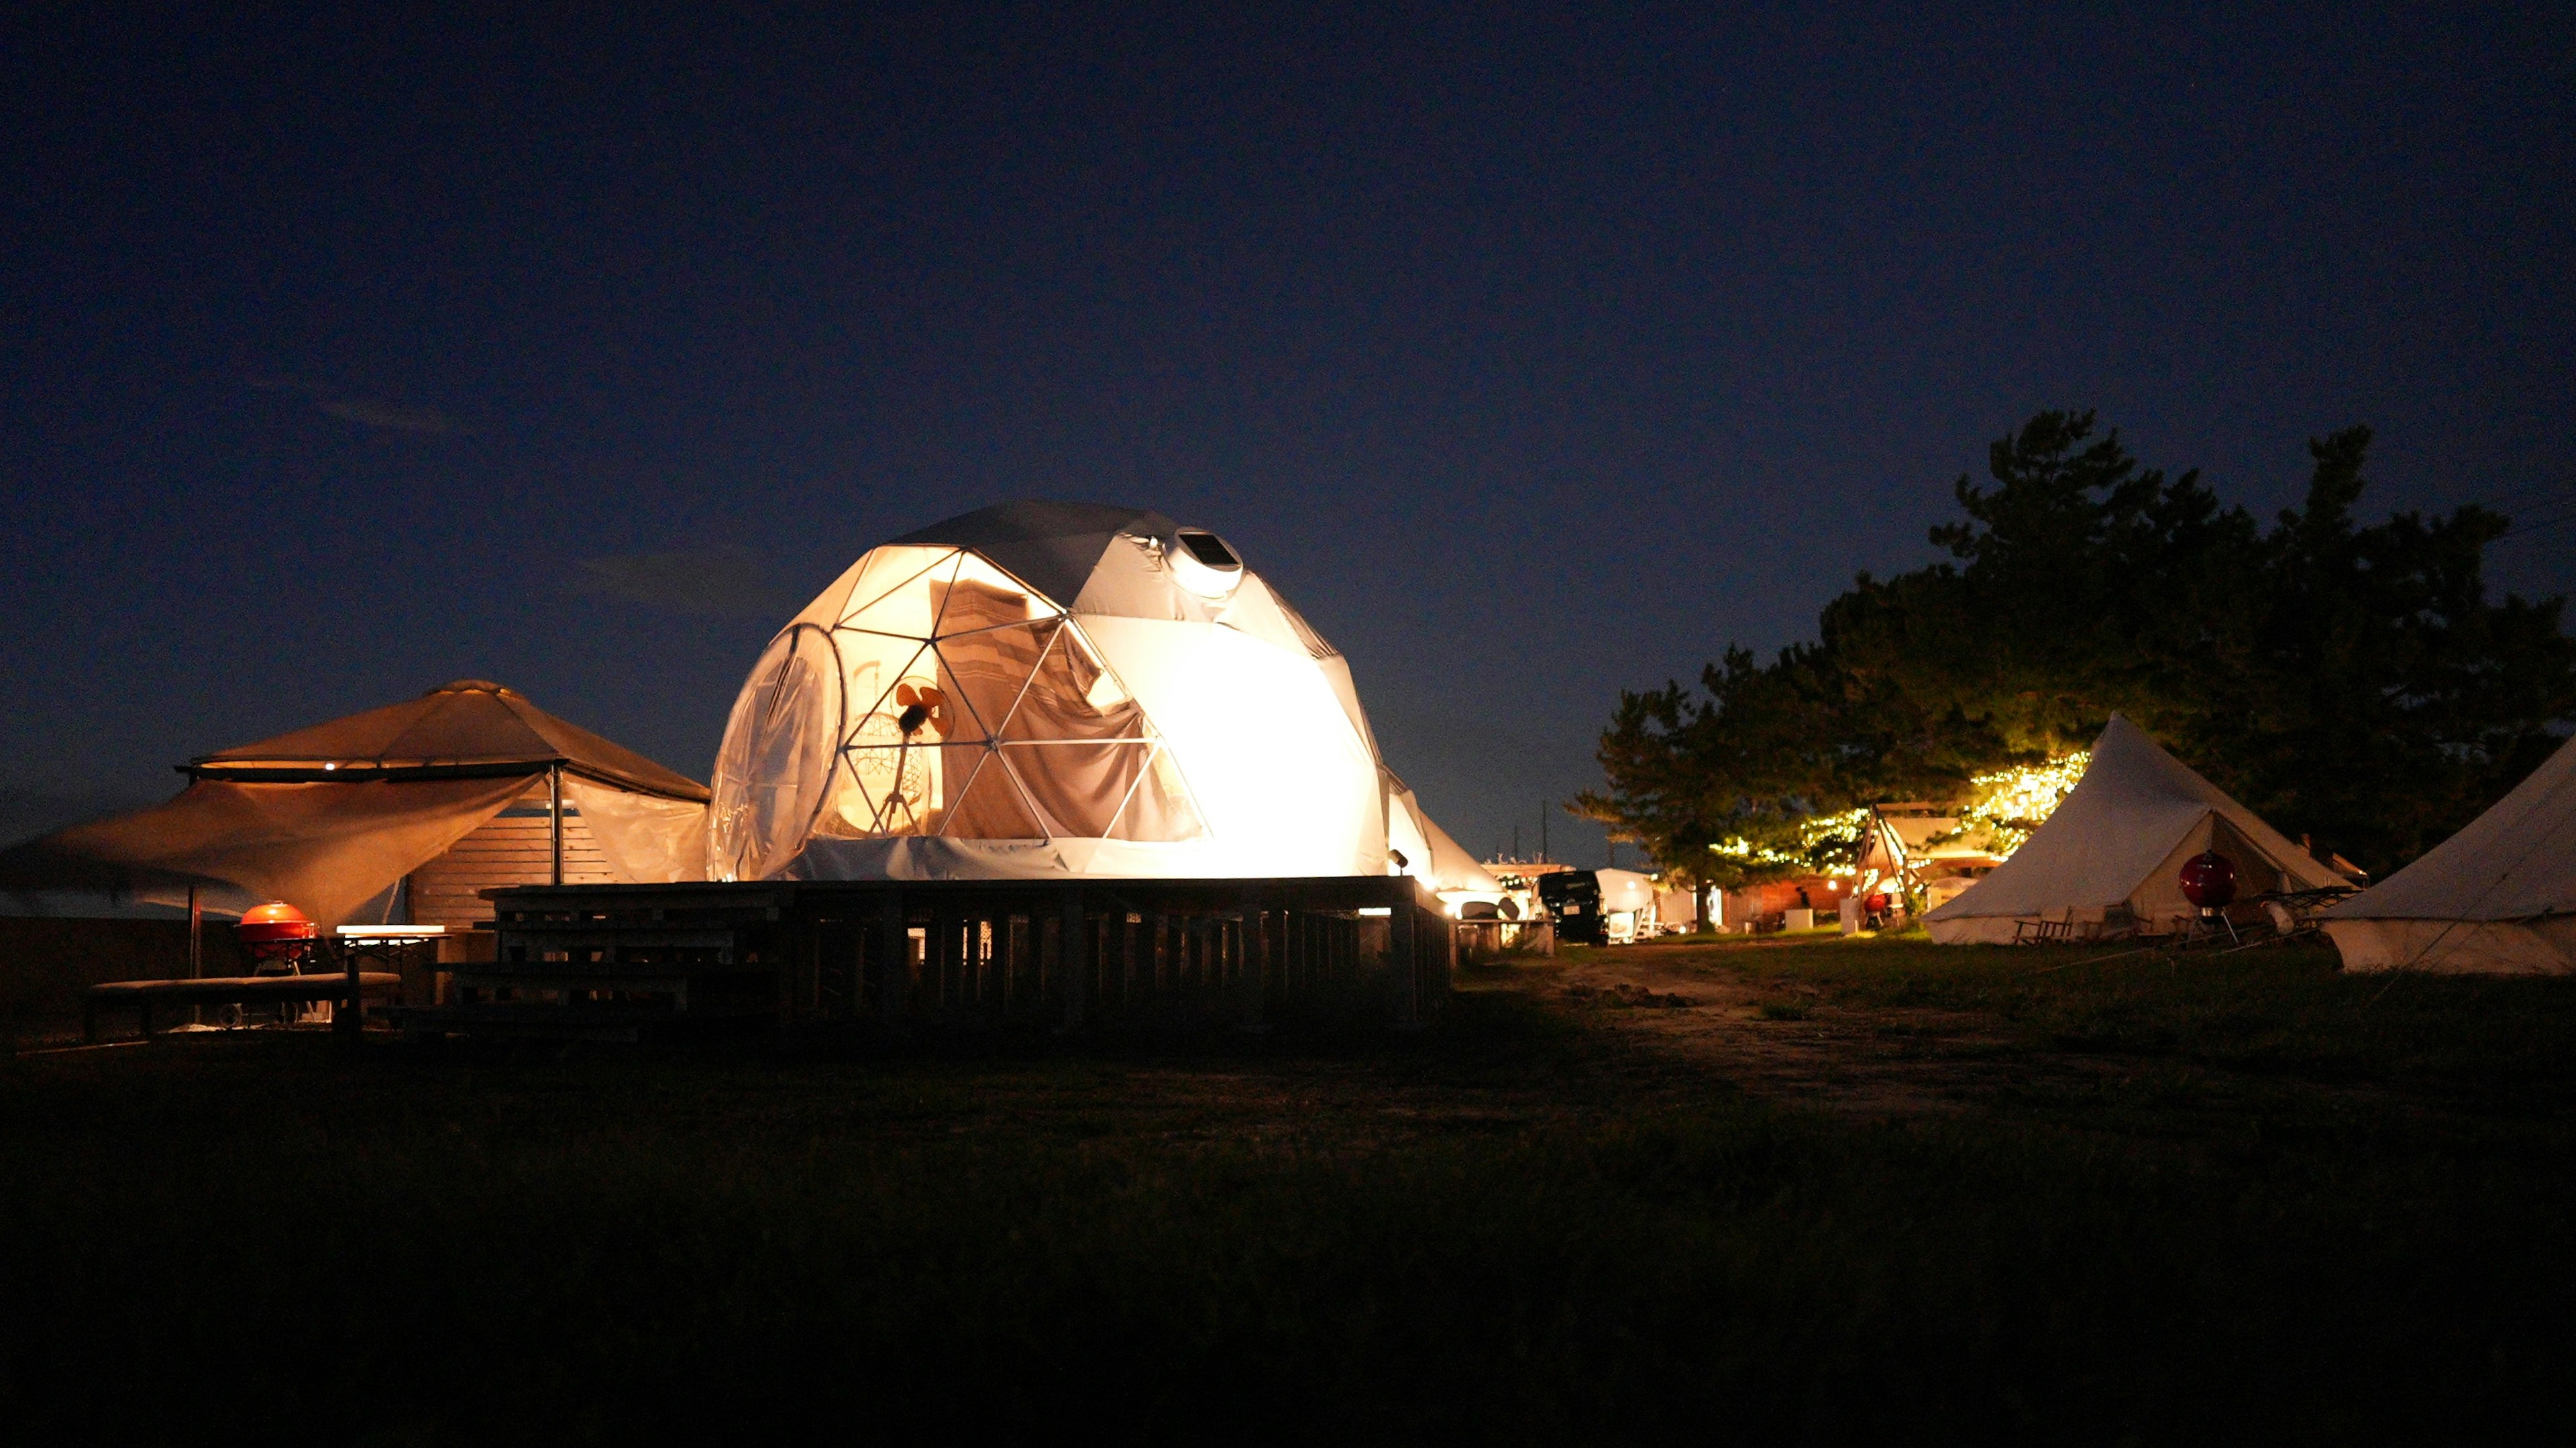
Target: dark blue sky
{"type": "Point", "coordinates": [1533, 352]}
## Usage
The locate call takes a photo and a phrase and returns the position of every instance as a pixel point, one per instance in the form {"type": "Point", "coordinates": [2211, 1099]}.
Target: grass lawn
{"type": "Point", "coordinates": [1815, 1190]}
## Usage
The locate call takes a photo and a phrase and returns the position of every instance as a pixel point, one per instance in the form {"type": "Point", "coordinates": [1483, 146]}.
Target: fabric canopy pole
{"type": "Point", "coordinates": [554, 824]}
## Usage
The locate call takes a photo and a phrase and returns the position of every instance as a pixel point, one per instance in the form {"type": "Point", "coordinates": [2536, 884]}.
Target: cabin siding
{"type": "Point", "coordinates": [511, 848]}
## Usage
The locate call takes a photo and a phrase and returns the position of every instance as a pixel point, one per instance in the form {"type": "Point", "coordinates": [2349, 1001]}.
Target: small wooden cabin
{"type": "Point", "coordinates": [515, 847]}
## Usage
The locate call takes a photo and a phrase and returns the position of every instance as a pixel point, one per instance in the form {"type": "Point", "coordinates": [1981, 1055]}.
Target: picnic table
{"type": "Point", "coordinates": [384, 944]}
{"type": "Point", "coordinates": [348, 987]}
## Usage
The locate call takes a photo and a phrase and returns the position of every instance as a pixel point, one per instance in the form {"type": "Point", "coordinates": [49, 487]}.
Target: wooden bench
{"type": "Point", "coordinates": [144, 996]}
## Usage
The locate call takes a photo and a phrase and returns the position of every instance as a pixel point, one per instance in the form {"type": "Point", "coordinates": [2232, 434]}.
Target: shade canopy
{"type": "Point", "coordinates": [470, 727]}
{"type": "Point", "coordinates": [329, 817]}
{"type": "Point", "coordinates": [2118, 841]}
{"type": "Point", "coordinates": [1039, 689]}
{"type": "Point", "coordinates": [2499, 896]}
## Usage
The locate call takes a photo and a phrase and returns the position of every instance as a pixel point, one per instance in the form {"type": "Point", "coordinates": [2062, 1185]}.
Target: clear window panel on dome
{"type": "Point", "coordinates": [980, 595]}
{"type": "Point", "coordinates": [1159, 807]}
{"type": "Point", "coordinates": [873, 667]}
{"type": "Point", "coordinates": [1073, 697]}
{"type": "Point", "coordinates": [989, 805]}
{"type": "Point", "coordinates": [773, 771]}
{"type": "Point", "coordinates": [986, 671]}
{"type": "Point", "coordinates": [892, 571]}
{"type": "Point", "coordinates": [899, 789]}
{"type": "Point", "coordinates": [909, 605]}
{"type": "Point", "coordinates": [904, 705]}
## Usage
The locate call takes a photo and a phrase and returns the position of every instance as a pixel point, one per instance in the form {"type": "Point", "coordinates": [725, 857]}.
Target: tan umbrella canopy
{"type": "Point", "coordinates": [327, 817]}
{"type": "Point", "coordinates": [472, 728]}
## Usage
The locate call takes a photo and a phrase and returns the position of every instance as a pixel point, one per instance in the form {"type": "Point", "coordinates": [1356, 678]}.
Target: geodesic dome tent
{"type": "Point", "coordinates": [1040, 689]}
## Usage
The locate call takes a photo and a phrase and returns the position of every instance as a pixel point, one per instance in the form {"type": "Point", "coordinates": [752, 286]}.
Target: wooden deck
{"type": "Point", "coordinates": [628, 961]}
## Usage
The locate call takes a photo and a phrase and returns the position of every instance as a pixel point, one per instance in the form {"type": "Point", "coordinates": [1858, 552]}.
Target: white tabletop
{"type": "Point", "coordinates": [391, 932]}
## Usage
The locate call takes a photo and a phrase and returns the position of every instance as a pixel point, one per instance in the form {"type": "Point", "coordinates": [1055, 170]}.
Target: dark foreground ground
{"type": "Point", "coordinates": [1784, 1191]}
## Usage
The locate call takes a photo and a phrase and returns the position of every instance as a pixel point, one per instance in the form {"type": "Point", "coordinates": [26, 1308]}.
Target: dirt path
{"type": "Point", "coordinates": [1782, 1041]}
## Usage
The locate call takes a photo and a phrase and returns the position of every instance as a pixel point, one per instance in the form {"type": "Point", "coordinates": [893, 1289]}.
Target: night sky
{"type": "Point", "coordinates": [1532, 353]}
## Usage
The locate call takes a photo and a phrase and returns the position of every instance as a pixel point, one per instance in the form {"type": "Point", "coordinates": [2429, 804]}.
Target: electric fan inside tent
{"type": "Point", "coordinates": [892, 749]}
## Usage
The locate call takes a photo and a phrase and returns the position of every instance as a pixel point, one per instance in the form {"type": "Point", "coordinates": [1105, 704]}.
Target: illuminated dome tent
{"type": "Point", "coordinates": [1041, 689]}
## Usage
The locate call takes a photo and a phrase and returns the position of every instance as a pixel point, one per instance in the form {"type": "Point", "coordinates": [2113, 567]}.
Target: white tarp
{"type": "Point", "coordinates": [2120, 839]}
{"type": "Point", "coordinates": [1044, 688]}
{"type": "Point", "coordinates": [645, 838]}
{"type": "Point", "coordinates": [2499, 896]}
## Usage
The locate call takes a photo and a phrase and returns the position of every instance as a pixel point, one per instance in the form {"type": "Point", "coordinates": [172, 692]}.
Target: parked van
{"type": "Point", "coordinates": [1599, 907]}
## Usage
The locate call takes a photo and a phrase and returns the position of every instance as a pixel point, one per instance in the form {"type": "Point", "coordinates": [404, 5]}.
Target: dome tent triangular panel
{"type": "Point", "coordinates": [1051, 688]}
{"type": "Point", "coordinates": [1053, 547]}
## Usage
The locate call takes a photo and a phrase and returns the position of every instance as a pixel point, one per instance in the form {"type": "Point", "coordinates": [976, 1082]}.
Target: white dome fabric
{"type": "Point", "coordinates": [2499, 896]}
{"type": "Point", "coordinates": [1042, 689]}
{"type": "Point", "coordinates": [1428, 853]}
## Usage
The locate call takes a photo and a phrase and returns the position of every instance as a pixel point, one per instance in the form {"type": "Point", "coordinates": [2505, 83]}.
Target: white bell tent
{"type": "Point", "coordinates": [1042, 689]}
{"type": "Point", "coordinates": [2499, 896]}
{"type": "Point", "coordinates": [2118, 842]}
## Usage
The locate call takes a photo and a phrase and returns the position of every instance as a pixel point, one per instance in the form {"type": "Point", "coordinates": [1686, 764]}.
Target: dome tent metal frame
{"type": "Point", "coordinates": [968, 703]}
{"type": "Point", "coordinates": [1043, 689]}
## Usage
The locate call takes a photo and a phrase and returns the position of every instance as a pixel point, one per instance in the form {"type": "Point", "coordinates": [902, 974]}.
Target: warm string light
{"type": "Point", "coordinates": [2004, 808]}
{"type": "Point", "coordinates": [1753, 854]}
{"type": "Point", "coordinates": [1822, 841]}
{"type": "Point", "coordinates": [2009, 804]}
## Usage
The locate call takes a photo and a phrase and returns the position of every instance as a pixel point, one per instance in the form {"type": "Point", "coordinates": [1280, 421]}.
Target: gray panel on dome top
{"type": "Point", "coordinates": [1052, 547]}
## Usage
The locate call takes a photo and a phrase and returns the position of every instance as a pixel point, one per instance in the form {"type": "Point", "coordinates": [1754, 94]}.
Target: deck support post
{"type": "Point", "coordinates": [196, 943]}
{"type": "Point", "coordinates": [889, 952]}
{"type": "Point", "coordinates": [1402, 940]}
{"type": "Point", "coordinates": [1252, 945]}
{"type": "Point", "coordinates": [1073, 941]}
{"type": "Point", "coordinates": [941, 962]}
{"type": "Point", "coordinates": [1123, 932]}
